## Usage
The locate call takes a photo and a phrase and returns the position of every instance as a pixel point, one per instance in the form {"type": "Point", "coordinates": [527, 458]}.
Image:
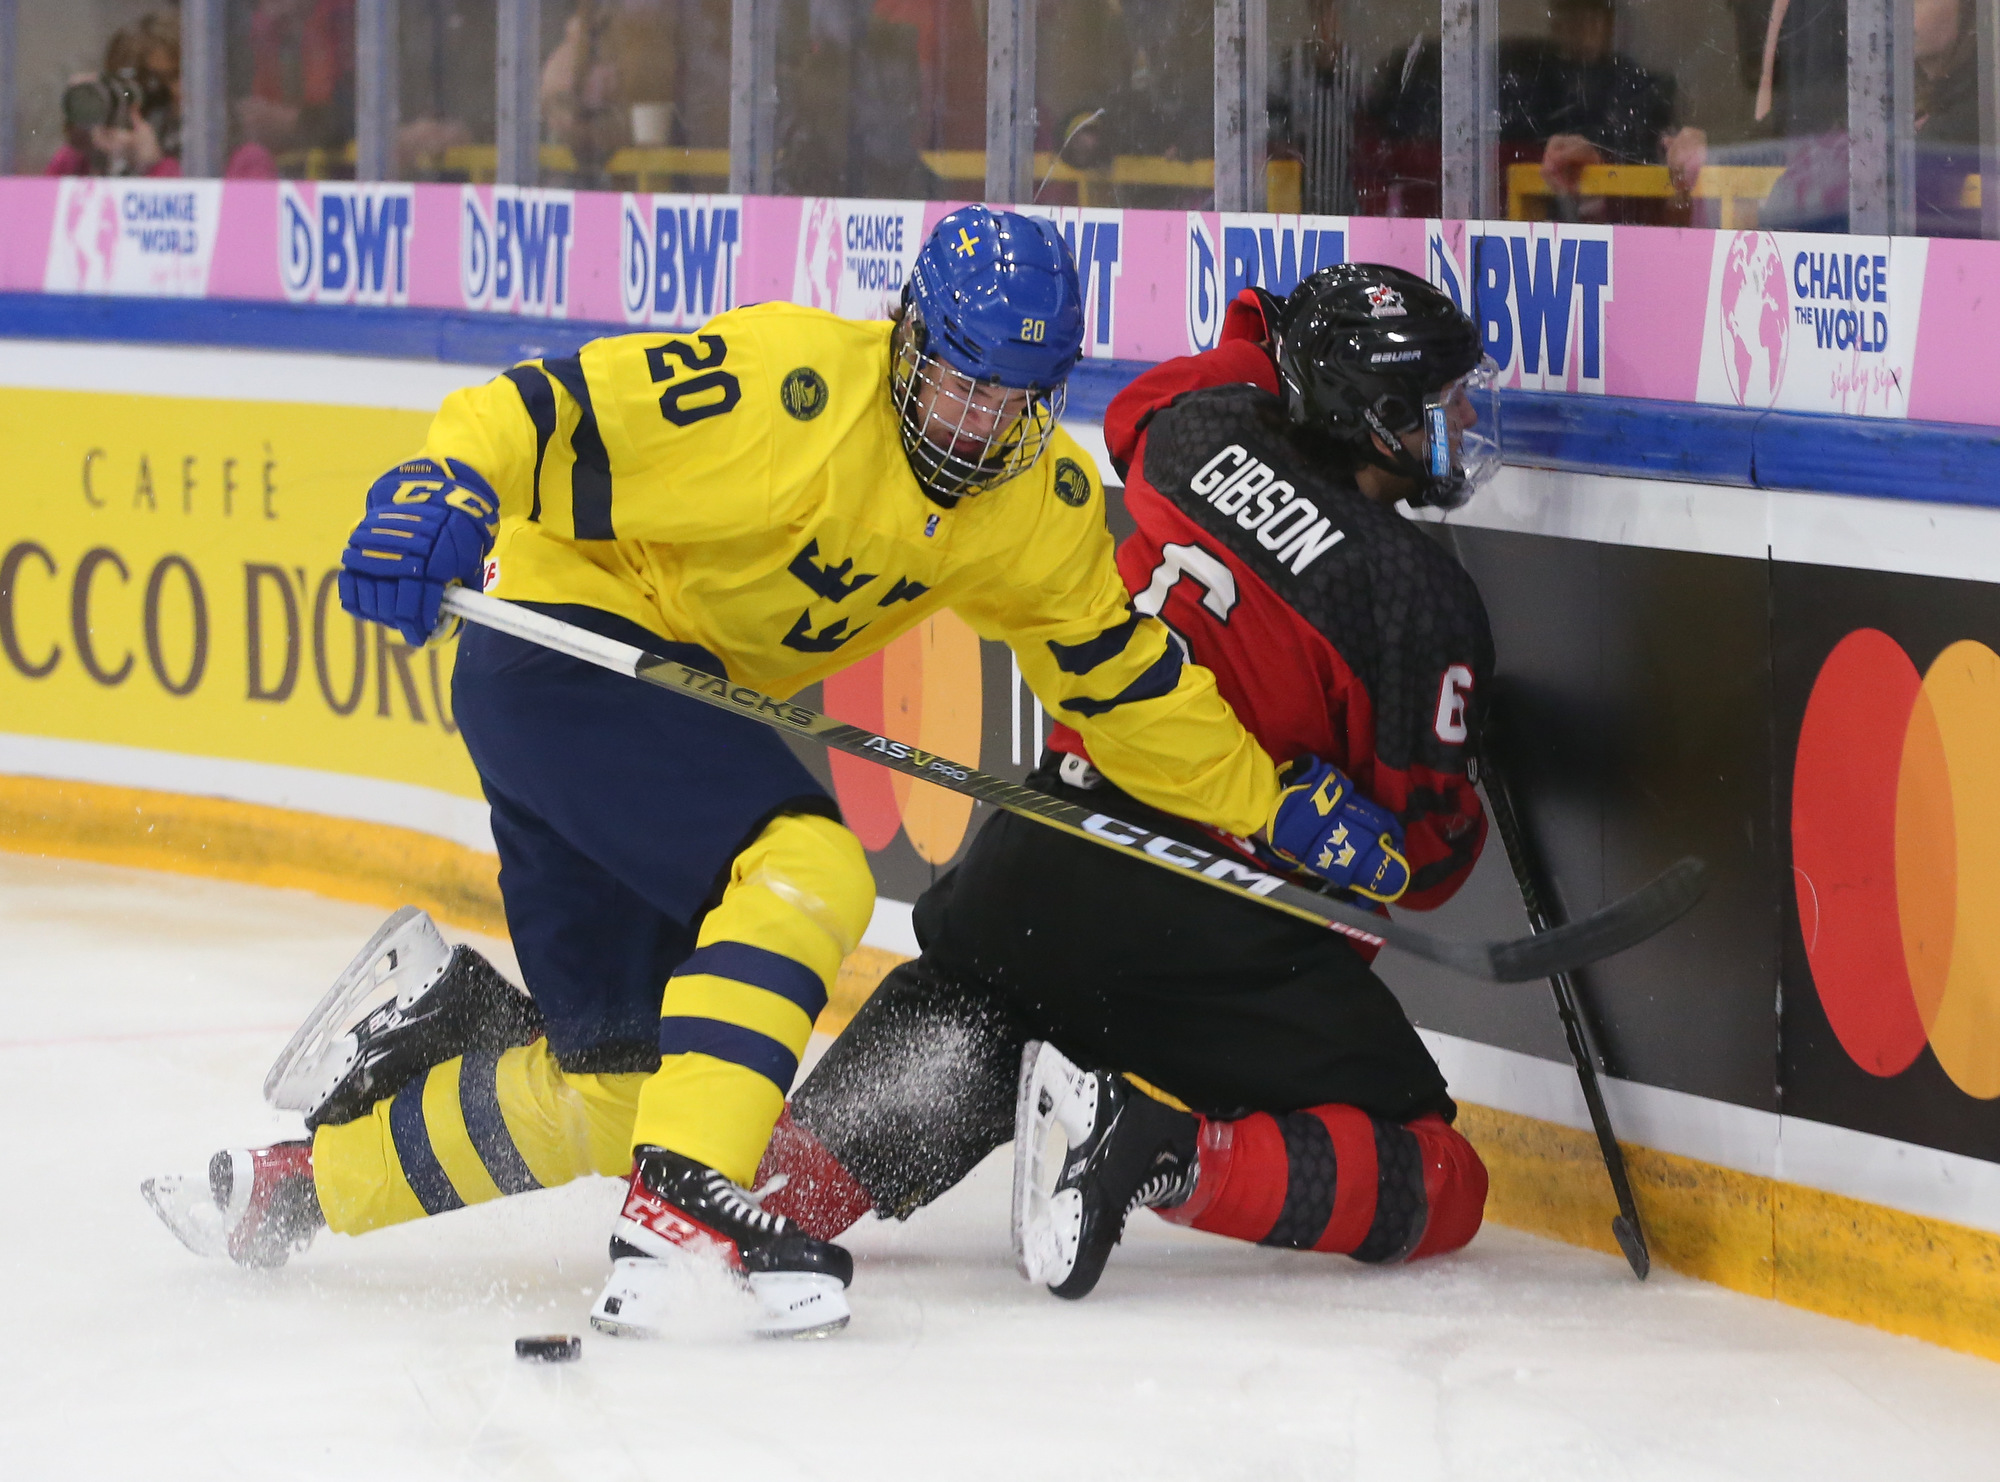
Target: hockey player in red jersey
{"type": "Point", "coordinates": [1235, 1069]}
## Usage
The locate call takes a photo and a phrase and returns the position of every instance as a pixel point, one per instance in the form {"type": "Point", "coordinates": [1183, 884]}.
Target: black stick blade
{"type": "Point", "coordinates": [1633, 1243]}
{"type": "Point", "coordinates": [1622, 924]}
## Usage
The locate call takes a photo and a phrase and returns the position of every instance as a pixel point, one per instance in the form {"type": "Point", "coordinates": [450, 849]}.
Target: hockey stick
{"type": "Point", "coordinates": [1621, 924]}
{"type": "Point", "coordinates": [1625, 1226]}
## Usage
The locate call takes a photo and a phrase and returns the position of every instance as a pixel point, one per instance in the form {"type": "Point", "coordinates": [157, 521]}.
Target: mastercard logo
{"type": "Point", "coordinates": [1896, 855]}
{"type": "Point", "coordinates": [924, 689]}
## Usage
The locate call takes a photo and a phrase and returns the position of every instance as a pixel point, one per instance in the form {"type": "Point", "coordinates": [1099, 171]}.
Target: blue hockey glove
{"type": "Point", "coordinates": [429, 524]}
{"type": "Point", "coordinates": [1323, 825]}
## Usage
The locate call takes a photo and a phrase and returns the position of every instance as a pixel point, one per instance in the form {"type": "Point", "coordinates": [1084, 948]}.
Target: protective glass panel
{"type": "Point", "coordinates": [290, 74]}
{"type": "Point", "coordinates": [1719, 113]}
{"type": "Point", "coordinates": [99, 90]}
{"type": "Point", "coordinates": [635, 94]}
{"type": "Point", "coordinates": [1946, 195]}
{"type": "Point", "coordinates": [1354, 107]}
{"type": "Point", "coordinates": [445, 90]}
{"type": "Point", "coordinates": [1125, 103]}
{"type": "Point", "coordinates": [881, 98]}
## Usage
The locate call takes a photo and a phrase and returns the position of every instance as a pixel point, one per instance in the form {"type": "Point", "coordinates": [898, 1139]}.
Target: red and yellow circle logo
{"type": "Point", "coordinates": [924, 689]}
{"type": "Point", "coordinates": [1896, 855]}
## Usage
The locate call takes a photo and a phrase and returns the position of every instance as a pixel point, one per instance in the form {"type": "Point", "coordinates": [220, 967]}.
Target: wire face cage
{"type": "Point", "coordinates": [962, 435]}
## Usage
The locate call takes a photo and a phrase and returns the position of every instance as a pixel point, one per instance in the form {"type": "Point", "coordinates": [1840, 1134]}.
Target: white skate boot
{"type": "Point", "coordinates": [677, 1211]}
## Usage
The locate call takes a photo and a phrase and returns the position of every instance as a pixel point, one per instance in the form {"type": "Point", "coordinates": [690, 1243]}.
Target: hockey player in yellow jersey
{"type": "Point", "coordinates": [770, 498]}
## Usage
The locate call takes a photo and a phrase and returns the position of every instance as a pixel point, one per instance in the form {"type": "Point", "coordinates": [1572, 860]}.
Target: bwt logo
{"type": "Point", "coordinates": [515, 257]}
{"type": "Point", "coordinates": [677, 258]}
{"type": "Point", "coordinates": [1538, 294]}
{"type": "Point", "coordinates": [1276, 253]}
{"type": "Point", "coordinates": [1270, 252]}
{"type": "Point", "coordinates": [1094, 238]}
{"type": "Point", "coordinates": [349, 244]}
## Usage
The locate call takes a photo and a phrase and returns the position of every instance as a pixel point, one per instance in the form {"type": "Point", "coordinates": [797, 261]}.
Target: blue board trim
{"type": "Point", "coordinates": [1631, 437]}
{"type": "Point", "coordinates": [1929, 462]}
{"type": "Point", "coordinates": [1622, 437]}
{"type": "Point", "coordinates": [458, 337]}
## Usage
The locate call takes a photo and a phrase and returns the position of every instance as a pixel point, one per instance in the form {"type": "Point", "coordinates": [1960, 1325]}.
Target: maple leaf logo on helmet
{"type": "Point", "coordinates": [1384, 302]}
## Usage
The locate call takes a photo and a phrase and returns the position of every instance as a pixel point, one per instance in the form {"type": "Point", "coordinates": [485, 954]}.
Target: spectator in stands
{"type": "Point", "coordinates": [301, 85]}
{"type": "Point", "coordinates": [1812, 194]}
{"type": "Point", "coordinates": [1947, 72]}
{"type": "Point", "coordinates": [126, 120]}
{"type": "Point", "coordinates": [1398, 161]}
{"type": "Point", "coordinates": [850, 84]}
{"type": "Point", "coordinates": [614, 55]}
{"type": "Point", "coordinates": [1802, 74]}
{"type": "Point", "coordinates": [1591, 105]}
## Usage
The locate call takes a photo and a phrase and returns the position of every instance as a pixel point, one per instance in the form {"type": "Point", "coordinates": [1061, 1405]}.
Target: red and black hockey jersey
{"type": "Point", "coordinates": [1333, 625]}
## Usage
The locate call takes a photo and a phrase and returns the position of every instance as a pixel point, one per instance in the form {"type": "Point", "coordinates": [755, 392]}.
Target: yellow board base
{"type": "Point", "coordinates": [369, 863]}
{"type": "Point", "coordinates": [1900, 1272]}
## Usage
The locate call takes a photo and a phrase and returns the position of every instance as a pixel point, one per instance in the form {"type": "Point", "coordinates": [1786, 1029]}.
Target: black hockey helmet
{"type": "Point", "coordinates": [1368, 352]}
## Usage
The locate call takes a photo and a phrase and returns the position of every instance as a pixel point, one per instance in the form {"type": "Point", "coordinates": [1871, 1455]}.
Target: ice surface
{"type": "Point", "coordinates": [140, 1012]}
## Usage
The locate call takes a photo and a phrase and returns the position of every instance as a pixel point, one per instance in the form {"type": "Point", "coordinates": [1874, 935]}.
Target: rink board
{"type": "Point", "coordinates": [1862, 326]}
{"type": "Point", "coordinates": [180, 691]}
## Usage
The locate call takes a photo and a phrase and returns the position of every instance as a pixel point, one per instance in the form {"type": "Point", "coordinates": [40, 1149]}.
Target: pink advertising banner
{"type": "Point", "coordinates": [1868, 326]}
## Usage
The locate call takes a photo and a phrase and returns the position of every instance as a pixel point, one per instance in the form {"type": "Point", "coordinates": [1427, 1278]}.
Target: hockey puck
{"type": "Point", "coordinates": [549, 1348]}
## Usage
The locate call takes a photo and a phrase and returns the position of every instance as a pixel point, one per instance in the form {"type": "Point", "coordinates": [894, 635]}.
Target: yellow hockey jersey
{"type": "Point", "coordinates": [744, 488]}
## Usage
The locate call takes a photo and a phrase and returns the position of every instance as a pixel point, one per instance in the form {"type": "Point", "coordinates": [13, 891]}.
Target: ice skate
{"type": "Point", "coordinates": [678, 1210]}
{"type": "Point", "coordinates": [1123, 1148]}
{"type": "Point", "coordinates": [257, 1207]}
{"type": "Point", "coordinates": [437, 1001]}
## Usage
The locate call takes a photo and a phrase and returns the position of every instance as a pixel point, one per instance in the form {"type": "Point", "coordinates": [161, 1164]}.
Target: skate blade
{"type": "Point", "coordinates": [405, 956]}
{"type": "Point", "coordinates": [1055, 1235]}
{"type": "Point", "coordinates": [186, 1207]}
{"type": "Point", "coordinates": [1047, 1102]}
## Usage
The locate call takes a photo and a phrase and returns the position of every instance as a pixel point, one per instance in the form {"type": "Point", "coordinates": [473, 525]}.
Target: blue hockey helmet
{"type": "Point", "coordinates": [992, 323]}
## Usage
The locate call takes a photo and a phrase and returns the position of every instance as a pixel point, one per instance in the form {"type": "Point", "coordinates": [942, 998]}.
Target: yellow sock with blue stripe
{"type": "Point", "coordinates": [470, 1130]}
{"type": "Point", "coordinates": [735, 1017]}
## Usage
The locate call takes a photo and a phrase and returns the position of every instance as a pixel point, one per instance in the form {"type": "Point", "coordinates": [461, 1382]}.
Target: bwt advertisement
{"type": "Point", "coordinates": [1858, 325]}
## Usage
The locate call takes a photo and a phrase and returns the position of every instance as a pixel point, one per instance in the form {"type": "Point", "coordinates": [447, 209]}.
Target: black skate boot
{"type": "Point", "coordinates": [1125, 1149]}
{"type": "Point", "coordinates": [443, 1002]}
{"type": "Point", "coordinates": [257, 1206]}
{"type": "Point", "coordinates": [677, 1210]}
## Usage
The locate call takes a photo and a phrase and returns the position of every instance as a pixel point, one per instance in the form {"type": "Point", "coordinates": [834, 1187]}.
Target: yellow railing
{"type": "Point", "coordinates": [648, 168]}
{"type": "Point", "coordinates": [314, 164]}
{"type": "Point", "coordinates": [481, 162]}
{"type": "Point", "coordinates": [648, 165]}
{"type": "Point", "coordinates": [1284, 186]}
{"type": "Point", "coordinates": [967, 167]}
{"type": "Point", "coordinates": [1740, 188]}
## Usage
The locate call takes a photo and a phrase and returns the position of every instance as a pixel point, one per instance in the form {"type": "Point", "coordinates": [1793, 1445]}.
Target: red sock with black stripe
{"type": "Point", "coordinates": [818, 1193]}
{"type": "Point", "coordinates": [1332, 1178]}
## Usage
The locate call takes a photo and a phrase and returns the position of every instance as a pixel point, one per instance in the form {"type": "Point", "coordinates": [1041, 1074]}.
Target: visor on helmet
{"type": "Point", "coordinates": [1461, 427]}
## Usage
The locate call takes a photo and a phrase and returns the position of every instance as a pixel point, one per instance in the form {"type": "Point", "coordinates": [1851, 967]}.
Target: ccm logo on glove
{"type": "Point", "coordinates": [429, 525]}
{"type": "Point", "coordinates": [1323, 825]}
